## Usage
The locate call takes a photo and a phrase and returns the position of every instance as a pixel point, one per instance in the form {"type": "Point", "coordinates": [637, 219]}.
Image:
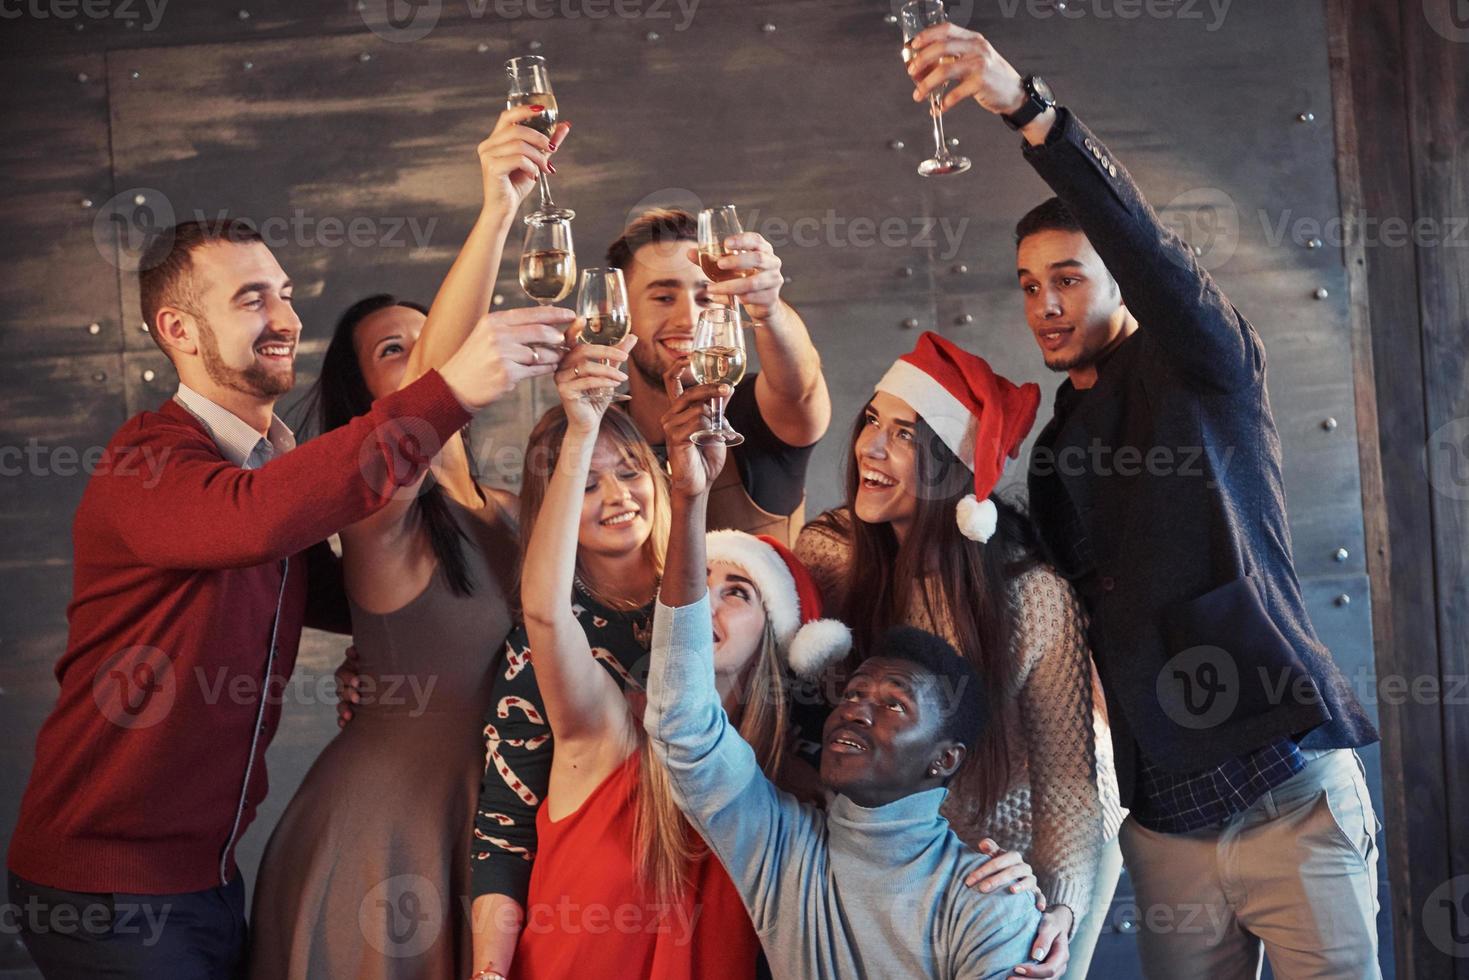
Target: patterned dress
{"type": "Point", "coordinates": [518, 744]}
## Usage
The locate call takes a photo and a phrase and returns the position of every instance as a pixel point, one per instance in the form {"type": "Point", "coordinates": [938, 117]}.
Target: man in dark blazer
{"type": "Point", "coordinates": [1157, 490]}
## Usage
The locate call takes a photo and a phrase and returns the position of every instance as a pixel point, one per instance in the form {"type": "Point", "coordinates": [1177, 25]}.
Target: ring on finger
{"type": "Point", "coordinates": [535, 353]}
{"type": "Point", "coordinates": [576, 371]}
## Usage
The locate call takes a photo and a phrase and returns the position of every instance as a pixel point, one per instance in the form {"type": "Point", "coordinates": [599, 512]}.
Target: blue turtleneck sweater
{"type": "Point", "coordinates": [846, 893]}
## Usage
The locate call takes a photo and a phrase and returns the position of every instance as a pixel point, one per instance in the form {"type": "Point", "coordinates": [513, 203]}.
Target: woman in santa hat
{"type": "Point", "coordinates": [922, 540]}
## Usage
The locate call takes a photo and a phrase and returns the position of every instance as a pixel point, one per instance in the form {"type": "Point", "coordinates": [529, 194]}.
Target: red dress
{"type": "Point", "coordinates": [589, 917]}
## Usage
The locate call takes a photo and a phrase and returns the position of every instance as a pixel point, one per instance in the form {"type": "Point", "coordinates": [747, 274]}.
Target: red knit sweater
{"type": "Point", "coordinates": [139, 782]}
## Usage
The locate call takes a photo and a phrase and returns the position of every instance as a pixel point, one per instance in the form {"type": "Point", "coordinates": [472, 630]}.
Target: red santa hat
{"type": "Point", "coordinates": [982, 417]}
{"type": "Point", "coordinates": [790, 598]}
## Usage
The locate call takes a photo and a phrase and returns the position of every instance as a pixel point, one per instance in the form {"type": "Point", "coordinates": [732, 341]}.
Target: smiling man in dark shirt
{"type": "Point", "coordinates": [1157, 489]}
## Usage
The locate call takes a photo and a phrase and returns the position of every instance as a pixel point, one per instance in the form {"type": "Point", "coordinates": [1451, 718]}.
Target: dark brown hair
{"type": "Point", "coordinates": [959, 582]}
{"type": "Point", "coordinates": [165, 270]}
{"type": "Point", "coordinates": [1049, 215]}
{"type": "Point", "coordinates": [651, 227]}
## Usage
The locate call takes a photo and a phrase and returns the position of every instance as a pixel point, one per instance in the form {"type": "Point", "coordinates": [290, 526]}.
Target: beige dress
{"type": "Point", "coordinates": [367, 873]}
{"type": "Point", "coordinates": [1062, 803]}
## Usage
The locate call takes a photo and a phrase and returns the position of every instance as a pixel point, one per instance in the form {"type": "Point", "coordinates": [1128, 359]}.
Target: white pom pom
{"type": "Point", "coordinates": [817, 644]}
{"type": "Point", "coordinates": [978, 518]}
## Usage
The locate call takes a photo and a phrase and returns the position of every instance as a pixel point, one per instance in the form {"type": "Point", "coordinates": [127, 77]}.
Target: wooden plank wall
{"type": "Point", "coordinates": [1406, 67]}
{"type": "Point", "coordinates": [316, 114]}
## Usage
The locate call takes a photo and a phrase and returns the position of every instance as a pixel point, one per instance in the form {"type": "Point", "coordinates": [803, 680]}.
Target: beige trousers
{"type": "Point", "coordinates": [1294, 877]}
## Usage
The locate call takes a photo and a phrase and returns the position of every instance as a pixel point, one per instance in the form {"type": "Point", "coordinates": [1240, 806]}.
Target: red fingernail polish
{"type": "Point", "coordinates": [537, 108]}
{"type": "Point", "coordinates": [551, 167]}
{"type": "Point", "coordinates": [551, 148]}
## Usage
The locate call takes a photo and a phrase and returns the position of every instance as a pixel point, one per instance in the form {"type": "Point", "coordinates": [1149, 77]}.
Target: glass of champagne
{"type": "Point", "coordinates": [530, 84]}
{"type": "Point", "coordinates": [715, 225]}
{"type": "Point", "coordinates": [718, 358]}
{"type": "Point", "coordinates": [547, 260]}
{"type": "Point", "coordinates": [601, 300]}
{"type": "Point", "coordinates": [915, 16]}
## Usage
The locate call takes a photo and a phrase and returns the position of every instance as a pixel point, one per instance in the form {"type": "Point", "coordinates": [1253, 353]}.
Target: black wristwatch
{"type": "Point", "coordinates": [1038, 100]}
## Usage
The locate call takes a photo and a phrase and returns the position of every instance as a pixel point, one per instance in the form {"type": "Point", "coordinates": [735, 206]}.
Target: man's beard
{"type": "Point", "coordinates": [644, 359]}
{"type": "Point", "coordinates": [256, 380]}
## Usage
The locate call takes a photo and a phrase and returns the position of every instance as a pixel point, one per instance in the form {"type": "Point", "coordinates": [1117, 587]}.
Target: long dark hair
{"type": "Point", "coordinates": [341, 394]}
{"type": "Point", "coordinates": [959, 582]}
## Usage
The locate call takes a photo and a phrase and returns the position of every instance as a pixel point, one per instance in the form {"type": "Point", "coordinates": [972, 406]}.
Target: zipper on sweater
{"type": "Point", "coordinates": [229, 844]}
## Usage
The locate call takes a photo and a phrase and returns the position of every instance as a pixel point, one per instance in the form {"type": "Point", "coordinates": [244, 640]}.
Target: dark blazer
{"type": "Point", "coordinates": [1161, 497]}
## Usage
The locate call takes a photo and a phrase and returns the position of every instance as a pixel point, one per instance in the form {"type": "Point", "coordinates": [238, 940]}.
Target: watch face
{"type": "Point", "coordinates": [1042, 90]}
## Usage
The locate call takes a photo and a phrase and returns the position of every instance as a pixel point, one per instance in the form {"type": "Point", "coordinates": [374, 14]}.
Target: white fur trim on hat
{"type": "Point", "coordinates": [946, 415]}
{"type": "Point", "coordinates": [977, 518]}
{"type": "Point", "coordinates": [817, 644]}
{"type": "Point", "coordinates": [769, 573]}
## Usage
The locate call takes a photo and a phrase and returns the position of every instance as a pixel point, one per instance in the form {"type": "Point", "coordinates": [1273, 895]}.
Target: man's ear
{"type": "Point", "coordinates": [948, 761]}
{"type": "Point", "coordinates": [177, 331]}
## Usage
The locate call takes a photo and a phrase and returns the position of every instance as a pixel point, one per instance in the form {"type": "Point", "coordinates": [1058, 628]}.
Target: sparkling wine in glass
{"type": "Point", "coordinates": [601, 300]}
{"type": "Point", "coordinates": [715, 225]}
{"type": "Point", "coordinates": [718, 358]}
{"type": "Point", "coordinates": [530, 84]}
{"type": "Point", "coordinates": [547, 260]}
{"type": "Point", "coordinates": [915, 16]}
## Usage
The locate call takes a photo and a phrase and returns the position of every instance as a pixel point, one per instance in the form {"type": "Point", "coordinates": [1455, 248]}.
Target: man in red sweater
{"type": "Point", "coordinates": [195, 554]}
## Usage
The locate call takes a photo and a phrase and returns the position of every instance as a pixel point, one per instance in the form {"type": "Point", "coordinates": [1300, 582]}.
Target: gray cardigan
{"type": "Point", "coordinates": [847, 893]}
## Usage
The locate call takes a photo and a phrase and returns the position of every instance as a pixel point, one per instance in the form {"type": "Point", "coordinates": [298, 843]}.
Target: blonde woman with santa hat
{"type": "Point", "coordinates": [939, 551]}
{"type": "Point", "coordinates": [564, 735]}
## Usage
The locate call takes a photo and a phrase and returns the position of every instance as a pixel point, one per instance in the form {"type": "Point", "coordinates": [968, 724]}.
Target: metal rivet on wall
{"type": "Point", "coordinates": [142, 328]}
{"type": "Point", "coordinates": [767, 28]}
{"type": "Point", "coordinates": [94, 328]}
{"type": "Point", "coordinates": [890, 19]}
{"type": "Point", "coordinates": [1306, 117]}
{"type": "Point", "coordinates": [135, 74]}
{"type": "Point", "coordinates": [482, 47]}
{"type": "Point", "coordinates": [895, 144]}
{"type": "Point", "coordinates": [963, 319]}
{"type": "Point", "coordinates": [498, 299]}
{"type": "Point", "coordinates": [247, 65]}
{"type": "Point", "coordinates": [1314, 243]}
{"type": "Point", "coordinates": [85, 202]}
{"type": "Point", "coordinates": [243, 14]}
{"type": "Point", "coordinates": [1343, 600]}
{"type": "Point", "coordinates": [954, 141]}
{"type": "Point", "coordinates": [1321, 293]}
{"type": "Point", "coordinates": [139, 200]}
{"type": "Point", "coordinates": [960, 269]}
{"type": "Point", "coordinates": [1329, 425]}
{"type": "Point", "coordinates": [906, 272]}
{"type": "Point", "coordinates": [910, 324]}
{"type": "Point", "coordinates": [535, 45]}
{"type": "Point", "coordinates": [149, 375]}
{"type": "Point", "coordinates": [365, 56]}
{"type": "Point", "coordinates": [82, 27]}
{"type": "Point", "coordinates": [652, 36]}
{"type": "Point", "coordinates": [82, 77]}
{"type": "Point", "coordinates": [99, 376]}
{"type": "Point", "coordinates": [1342, 554]}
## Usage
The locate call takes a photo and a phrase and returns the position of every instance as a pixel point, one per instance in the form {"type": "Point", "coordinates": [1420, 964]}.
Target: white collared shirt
{"type": "Point", "coordinates": [238, 440]}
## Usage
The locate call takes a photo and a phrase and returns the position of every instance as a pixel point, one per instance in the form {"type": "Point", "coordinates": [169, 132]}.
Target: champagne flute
{"type": "Point", "coordinates": [530, 84]}
{"type": "Point", "coordinates": [547, 259]}
{"type": "Point", "coordinates": [601, 300]}
{"type": "Point", "coordinates": [718, 358]}
{"type": "Point", "coordinates": [915, 16]}
{"type": "Point", "coordinates": [715, 225]}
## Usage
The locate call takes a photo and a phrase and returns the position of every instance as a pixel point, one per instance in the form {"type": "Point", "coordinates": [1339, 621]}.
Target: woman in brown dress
{"type": "Point", "coordinates": [366, 875]}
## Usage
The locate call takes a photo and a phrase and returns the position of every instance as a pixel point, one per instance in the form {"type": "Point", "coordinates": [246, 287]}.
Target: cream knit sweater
{"type": "Point", "coordinates": [1062, 804]}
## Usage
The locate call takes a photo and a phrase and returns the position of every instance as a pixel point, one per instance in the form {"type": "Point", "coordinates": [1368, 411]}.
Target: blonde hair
{"type": "Point", "coordinates": [664, 841]}
{"type": "Point", "coordinates": [543, 450]}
